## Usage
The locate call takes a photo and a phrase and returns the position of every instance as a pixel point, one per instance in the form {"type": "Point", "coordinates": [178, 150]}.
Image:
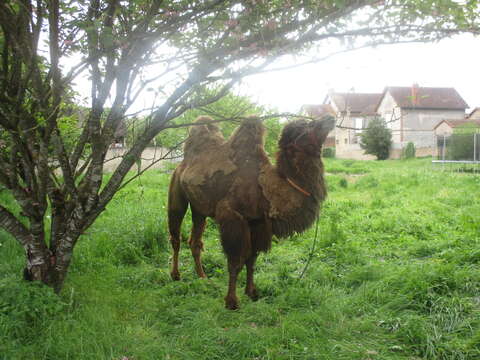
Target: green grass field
{"type": "Point", "coordinates": [395, 275]}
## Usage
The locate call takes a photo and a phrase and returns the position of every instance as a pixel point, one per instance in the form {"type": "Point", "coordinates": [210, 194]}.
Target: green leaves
{"type": "Point", "coordinates": [229, 110]}
{"type": "Point", "coordinates": [376, 139]}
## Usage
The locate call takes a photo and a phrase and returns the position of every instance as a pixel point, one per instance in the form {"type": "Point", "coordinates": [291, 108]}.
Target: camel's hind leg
{"type": "Point", "coordinates": [250, 288]}
{"type": "Point", "coordinates": [195, 242]}
{"type": "Point", "coordinates": [261, 238]}
{"type": "Point", "coordinates": [177, 206]}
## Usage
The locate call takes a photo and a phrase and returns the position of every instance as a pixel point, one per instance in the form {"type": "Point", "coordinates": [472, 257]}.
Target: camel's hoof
{"type": "Point", "coordinates": [253, 295]}
{"type": "Point", "coordinates": [231, 304]}
{"type": "Point", "coordinates": [175, 276]}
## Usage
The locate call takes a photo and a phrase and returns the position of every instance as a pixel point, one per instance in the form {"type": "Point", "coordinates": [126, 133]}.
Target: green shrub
{"type": "Point", "coordinates": [409, 151]}
{"type": "Point", "coordinates": [461, 145]}
{"type": "Point", "coordinates": [376, 139]}
{"type": "Point", "coordinates": [343, 183]}
{"type": "Point", "coordinates": [328, 152]}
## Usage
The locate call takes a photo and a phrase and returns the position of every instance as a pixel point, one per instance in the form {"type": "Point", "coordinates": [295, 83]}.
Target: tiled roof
{"type": "Point", "coordinates": [427, 98]}
{"type": "Point", "coordinates": [474, 114]}
{"type": "Point", "coordinates": [318, 111]}
{"type": "Point", "coordinates": [362, 104]}
{"type": "Point", "coordinates": [454, 123]}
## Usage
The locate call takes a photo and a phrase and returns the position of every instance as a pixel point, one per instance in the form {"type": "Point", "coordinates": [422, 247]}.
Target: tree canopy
{"type": "Point", "coordinates": [176, 49]}
{"type": "Point", "coordinates": [228, 111]}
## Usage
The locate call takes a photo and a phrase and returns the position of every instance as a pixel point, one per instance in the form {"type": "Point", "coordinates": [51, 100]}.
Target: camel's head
{"type": "Point", "coordinates": [306, 136]}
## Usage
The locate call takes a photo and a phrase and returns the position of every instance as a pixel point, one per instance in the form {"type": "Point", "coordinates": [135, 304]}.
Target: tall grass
{"type": "Point", "coordinates": [395, 275]}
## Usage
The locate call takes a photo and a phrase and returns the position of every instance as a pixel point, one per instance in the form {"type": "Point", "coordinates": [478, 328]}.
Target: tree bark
{"type": "Point", "coordinates": [39, 264]}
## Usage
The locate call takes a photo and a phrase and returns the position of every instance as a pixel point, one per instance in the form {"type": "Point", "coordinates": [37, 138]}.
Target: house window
{"type": "Point", "coordinates": [346, 140]}
{"type": "Point", "coordinates": [359, 124]}
{"type": "Point", "coordinates": [337, 141]}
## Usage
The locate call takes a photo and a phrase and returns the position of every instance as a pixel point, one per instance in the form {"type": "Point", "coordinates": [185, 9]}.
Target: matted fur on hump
{"type": "Point", "coordinates": [202, 138]}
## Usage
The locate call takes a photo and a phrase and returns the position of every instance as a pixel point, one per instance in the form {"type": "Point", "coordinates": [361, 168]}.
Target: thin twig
{"type": "Point", "coordinates": [310, 256]}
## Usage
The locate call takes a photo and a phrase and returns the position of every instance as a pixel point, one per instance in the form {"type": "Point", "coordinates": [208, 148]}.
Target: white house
{"type": "Point", "coordinates": [413, 112]}
{"type": "Point", "coordinates": [352, 111]}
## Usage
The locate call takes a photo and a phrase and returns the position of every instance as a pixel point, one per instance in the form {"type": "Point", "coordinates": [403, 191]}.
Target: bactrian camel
{"type": "Point", "coordinates": [233, 182]}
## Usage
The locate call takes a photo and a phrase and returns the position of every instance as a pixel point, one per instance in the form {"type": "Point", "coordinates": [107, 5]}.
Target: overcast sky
{"type": "Point", "coordinates": [449, 63]}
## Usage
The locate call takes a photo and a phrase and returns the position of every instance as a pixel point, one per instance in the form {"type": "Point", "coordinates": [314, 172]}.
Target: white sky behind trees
{"type": "Point", "coordinates": [453, 62]}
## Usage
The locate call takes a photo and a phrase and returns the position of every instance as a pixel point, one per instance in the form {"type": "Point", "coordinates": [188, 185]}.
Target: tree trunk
{"type": "Point", "coordinates": [39, 264]}
{"type": "Point", "coordinates": [50, 266]}
{"type": "Point", "coordinates": [63, 257]}
{"type": "Point", "coordinates": [45, 268]}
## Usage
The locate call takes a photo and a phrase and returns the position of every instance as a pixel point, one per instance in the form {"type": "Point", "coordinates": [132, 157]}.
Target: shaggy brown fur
{"type": "Point", "coordinates": [233, 182]}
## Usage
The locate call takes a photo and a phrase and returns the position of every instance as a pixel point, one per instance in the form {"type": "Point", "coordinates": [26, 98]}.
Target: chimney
{"type": "Point", "coordinates": [414, 94]}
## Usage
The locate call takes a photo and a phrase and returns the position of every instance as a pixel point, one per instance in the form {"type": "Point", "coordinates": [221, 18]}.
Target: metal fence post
{"type": "Point", "coordinates": [443, 151]}
{"type": "Point", "coordinates": [474, 146]}
{"type": "Point", "coordinates": [474, 152]}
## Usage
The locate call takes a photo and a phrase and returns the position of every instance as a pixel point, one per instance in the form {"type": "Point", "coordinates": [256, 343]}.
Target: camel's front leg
{"type": "Point", "coordinates": [196, 244]}
{"type": "Point", "coordinates": [234, 267]}
{"type": "Point", "coordinates": [177, 206]}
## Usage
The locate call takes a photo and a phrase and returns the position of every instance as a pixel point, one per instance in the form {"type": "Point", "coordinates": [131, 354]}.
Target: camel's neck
{"type": "Point", "coordinates": [306, 173]}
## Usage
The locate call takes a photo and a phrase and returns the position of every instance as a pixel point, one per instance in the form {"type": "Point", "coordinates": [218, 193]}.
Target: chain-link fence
{"type": "Point", "coordinates": [459, 151]}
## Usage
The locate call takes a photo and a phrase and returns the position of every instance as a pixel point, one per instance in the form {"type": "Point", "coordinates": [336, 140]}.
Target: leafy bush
{"type": "Point", "coordinates": [343, 183]}
{"type": "Point", "coordinates": [461, 145]}
{"type": "Point", "coordinates": [328, 152]}
{"type": "Point", "coordinates": [409, 151]}
{"type": "Point", "coordinates": [376, 139]}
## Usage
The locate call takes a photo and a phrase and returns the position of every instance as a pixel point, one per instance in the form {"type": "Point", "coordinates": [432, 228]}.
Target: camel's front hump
{"type": "Point", "coordinates": [207, 179]}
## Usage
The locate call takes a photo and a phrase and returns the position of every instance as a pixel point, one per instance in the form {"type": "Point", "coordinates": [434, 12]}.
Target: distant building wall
{"type": "Point", "coordinates": [475, 115]}
{"type": "Point", "coordinates": [353, 151]}
{"type": "Point", "coordinates": [444, 129]}
{"type": "Point", "coordinates": [342, 135]}
{"type": "Point", "coordinates": [347, 140]}
{"type": "Point", "coordinates": [418, 124]}
{"type": "Point", "coordinates": [392, 114]}
{"type": "Point", "coordinates": [151, 155]}
{"type": "Point", "coordinates": [396, 153]}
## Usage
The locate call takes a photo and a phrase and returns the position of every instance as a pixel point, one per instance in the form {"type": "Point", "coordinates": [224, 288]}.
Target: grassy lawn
{"type": "Point", "coordinates": [395, 275]}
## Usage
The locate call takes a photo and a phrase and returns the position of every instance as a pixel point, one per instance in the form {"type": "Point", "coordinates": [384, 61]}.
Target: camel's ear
{"type": "Point", "coordinates": [326, 124]}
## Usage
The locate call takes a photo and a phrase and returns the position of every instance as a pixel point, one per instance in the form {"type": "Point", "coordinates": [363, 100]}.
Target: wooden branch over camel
{"type": "Point", "coordinates": [233, 182]}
